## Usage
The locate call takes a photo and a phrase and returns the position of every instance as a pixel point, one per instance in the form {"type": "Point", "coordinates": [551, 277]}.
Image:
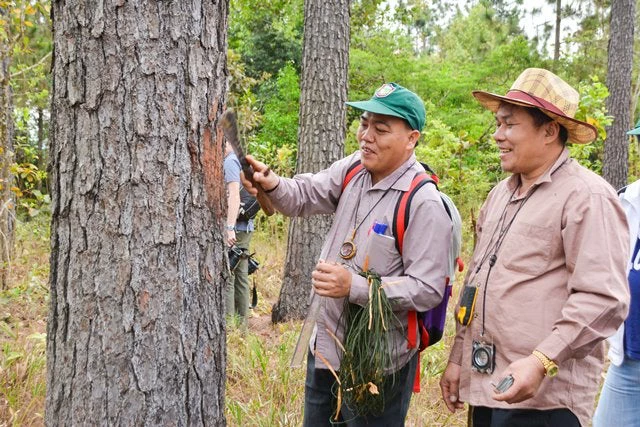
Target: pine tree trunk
{"type": "Point", "coordinates": [325, 62]}
{"type": "Point", "coordinates": [620, 66]}
{"type": "Point", "coordinates": [556, 47]}
{"type": "Point", "coordinates": [7, 202]}
{"type": "Point", "coordinates": [136, 332]}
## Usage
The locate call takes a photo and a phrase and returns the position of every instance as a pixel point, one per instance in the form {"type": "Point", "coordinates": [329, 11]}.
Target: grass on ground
{"type": "Point", "coordinates": [261, 388]}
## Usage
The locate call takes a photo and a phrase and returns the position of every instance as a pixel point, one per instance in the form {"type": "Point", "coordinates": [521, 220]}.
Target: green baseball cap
{"type": "Point", "coordinates": [391, 99]}
{"type": "Point", "coordinates": [636, 130]}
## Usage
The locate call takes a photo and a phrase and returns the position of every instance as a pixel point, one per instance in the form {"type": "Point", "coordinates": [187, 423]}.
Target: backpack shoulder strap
{"type": "Point", "coordinates": [401, 213]}
{"type": "Point", "coordinates": [351, 172]}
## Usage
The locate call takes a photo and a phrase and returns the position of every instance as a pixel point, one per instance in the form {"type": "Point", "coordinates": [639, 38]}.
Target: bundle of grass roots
{"type": "Point", "coordinates": [368, 354]}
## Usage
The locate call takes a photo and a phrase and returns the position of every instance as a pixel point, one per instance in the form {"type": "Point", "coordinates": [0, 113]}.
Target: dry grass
{"type": "Point", "coordinates": [261, 388]}
{"type": "Point", "coordinates": [23, 312]}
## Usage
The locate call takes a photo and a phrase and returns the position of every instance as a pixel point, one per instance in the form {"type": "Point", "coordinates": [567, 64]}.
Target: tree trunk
{"type": "Point", "coordinates": [325, 62]}
{"type": "Point", "coordinates": [41, 163]}
{"type": "Point", "coordinates": [7, 206]}
{"type": "Point", "coordinates": [620, 65]}
{"type": "Point", "coordinates": [136, 332]}
{"type": "Point", "coordinates": [556, 50]}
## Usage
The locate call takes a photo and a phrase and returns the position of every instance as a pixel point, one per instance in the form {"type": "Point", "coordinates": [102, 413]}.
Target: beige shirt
{"type": "Point", "coordinates": [416, 279]}
{"type": "Point", "coordinates": [559, 285]}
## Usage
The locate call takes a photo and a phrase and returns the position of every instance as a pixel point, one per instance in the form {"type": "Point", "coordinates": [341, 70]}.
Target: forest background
{"type": "Point", "coordinates": [442, 50]}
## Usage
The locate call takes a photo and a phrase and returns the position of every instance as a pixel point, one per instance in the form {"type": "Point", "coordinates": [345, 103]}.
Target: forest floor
{"type": "Point", "coordinates": [261, 390]}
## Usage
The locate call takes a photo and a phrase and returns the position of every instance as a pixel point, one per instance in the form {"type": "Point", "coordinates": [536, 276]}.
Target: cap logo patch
{"type": "Point", "coordinates": [385, 90]}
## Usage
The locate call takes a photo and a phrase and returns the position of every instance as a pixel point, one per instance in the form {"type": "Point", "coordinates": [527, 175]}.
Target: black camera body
{"type": "Point", "coordinates": [236, 254]}
{"type": "Point", "coordinates": [483, 357]}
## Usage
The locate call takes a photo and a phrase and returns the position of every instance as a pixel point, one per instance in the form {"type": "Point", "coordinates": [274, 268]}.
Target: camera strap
{"type": "Point", "coordinates": [492, 250]}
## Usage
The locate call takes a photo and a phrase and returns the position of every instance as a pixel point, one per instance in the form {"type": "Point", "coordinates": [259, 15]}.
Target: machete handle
{"type": "Point", "coordinates": [263, 199]}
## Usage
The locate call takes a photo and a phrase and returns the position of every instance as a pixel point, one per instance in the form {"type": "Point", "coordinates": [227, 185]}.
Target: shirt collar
{"type": "Point", "coordinates": [400, 179]}
{"type": "Point", "coordinates": [514, 180]}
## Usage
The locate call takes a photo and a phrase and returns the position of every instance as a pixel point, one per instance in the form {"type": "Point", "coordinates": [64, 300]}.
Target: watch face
{"type": "Point", "coordinates": [552, 371]}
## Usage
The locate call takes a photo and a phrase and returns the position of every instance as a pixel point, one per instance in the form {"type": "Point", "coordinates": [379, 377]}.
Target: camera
{"type": "Point", "coordinates": [253, 265]}
{"type": "Point", "coordinates": [234, 254]}
{"type": "Point", "coordinates": [483, 357]}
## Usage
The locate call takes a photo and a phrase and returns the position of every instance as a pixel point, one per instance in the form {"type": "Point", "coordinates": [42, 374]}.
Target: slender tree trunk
{"type": "Point", "coordinates": [325, 62]}
{"type": "Point", "coordinates": [620, 66]}
{"type": "Point", "coordinates": [136, 332]}
{"type": "Point", "coordinates": [556, 50]}
{"type": "Point", "coordinates": [7, 201]}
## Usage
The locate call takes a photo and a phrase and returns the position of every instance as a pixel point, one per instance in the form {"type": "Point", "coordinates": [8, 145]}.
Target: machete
{"type": "Point", "coordinates": [230, 129]}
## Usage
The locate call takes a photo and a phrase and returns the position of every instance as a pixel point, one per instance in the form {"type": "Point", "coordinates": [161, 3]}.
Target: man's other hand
{"type": "Point", "coordinates": [331, 279]}
{"type": "Point", "coordinates": [449, 386]}
{"type": "Point", "coordinates": [528, 374]}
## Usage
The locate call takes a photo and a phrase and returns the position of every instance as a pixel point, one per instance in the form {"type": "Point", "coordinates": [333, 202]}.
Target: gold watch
{"type": "Point", "coordinates": [550, 367]}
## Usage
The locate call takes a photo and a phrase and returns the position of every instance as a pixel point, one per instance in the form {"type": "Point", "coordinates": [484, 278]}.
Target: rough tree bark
{"type": "Point", "coordinates": [620, 65]}
{"type": "Point", "coordinates": [556, 45]}
{"type": "Point", "coordinates": [136, 332]}
{"type": "Point", "coordinates": [325, 62]}
{"type": "Point", "coordinates": [7, 199]}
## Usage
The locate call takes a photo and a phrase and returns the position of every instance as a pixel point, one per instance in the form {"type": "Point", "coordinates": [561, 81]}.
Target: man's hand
{"type": "Point", "coordinates": [449, 386]}
{"type": "Point", "coordinates": [528, 374]}
{"type": "Point", "coordinates": [231, 237]}
{"type": "Point", "coordinates": [262, 174]}
{"type": "Point", "coordinates": [330, 279]}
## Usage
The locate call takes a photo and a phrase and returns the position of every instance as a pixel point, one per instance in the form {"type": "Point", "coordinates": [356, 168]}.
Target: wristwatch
{"type": "Point", "coordinates": [231, 227]}
{"type": "Point", "coordinates": [550, 367]}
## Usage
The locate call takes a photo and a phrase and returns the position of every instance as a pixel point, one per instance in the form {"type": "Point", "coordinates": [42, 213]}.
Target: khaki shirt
{"type": "Point", "coordinates": [559, 285]}
{"type": "Point", "coordinates": [416, 279]}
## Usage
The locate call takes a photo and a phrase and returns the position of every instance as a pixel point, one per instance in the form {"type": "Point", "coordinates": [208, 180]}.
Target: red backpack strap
{"type": "Point", "coordinates": [351, 172]}
{"type": "Point", "coordinates": [401, 214]}
{"type": "Point", "coordinates": [400, 224]}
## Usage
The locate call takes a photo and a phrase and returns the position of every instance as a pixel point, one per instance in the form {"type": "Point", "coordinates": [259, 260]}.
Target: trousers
{"type": "Point", "coordinates": [237, 294]}
{"type": "Point", "coordinates": [620, 397]}
{"type": "Point", "coordinates": [320, 403]}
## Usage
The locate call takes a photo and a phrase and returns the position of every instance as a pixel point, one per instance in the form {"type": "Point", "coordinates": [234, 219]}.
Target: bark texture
{"type": "Point", "coordinates": [325, 62]}
{"type": "Point", "coordinates": [616, 147]}
{"type": "Point", "coordinates": [136, 331]}
{"type": "Point", "coordinates": [7, 199]}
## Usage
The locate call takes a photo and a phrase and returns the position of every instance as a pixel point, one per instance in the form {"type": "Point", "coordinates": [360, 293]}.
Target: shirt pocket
{"type": "Point", "coordinates": [527, 248]}
{"type": "Point", "coordinates": [382, 254]}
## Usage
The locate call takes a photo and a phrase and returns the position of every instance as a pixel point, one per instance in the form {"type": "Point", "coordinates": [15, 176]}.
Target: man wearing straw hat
{"type": "Point", "coordinates": [547, 281]}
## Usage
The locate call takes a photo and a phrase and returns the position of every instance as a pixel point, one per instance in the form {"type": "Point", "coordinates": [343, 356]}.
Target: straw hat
{"type": "Point", "coordinates": [543, 90]}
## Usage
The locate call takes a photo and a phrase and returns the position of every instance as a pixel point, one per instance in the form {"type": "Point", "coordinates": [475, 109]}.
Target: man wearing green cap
{"type": "Point", "coordinates": [389, 129]}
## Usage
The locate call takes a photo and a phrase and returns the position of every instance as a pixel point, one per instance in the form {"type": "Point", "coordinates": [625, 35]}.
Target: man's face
{"type": "Point", "coordinates": [386, 142]}
{"type": "Point", "coordinates": [523, 147]}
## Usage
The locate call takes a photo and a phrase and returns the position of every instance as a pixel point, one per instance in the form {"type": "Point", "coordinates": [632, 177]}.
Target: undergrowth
{"type": "Point", "coordinates": [261, 388]}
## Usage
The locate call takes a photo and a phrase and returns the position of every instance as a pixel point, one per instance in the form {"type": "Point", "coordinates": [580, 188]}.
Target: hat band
{"type": "Point", "coordinates": [520, 95]}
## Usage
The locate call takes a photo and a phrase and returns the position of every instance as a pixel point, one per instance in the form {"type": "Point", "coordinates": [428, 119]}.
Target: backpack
{"type": "Point", "coordinates": [430, 323]}
{"type": "Point", "coordinates": [249, 206]}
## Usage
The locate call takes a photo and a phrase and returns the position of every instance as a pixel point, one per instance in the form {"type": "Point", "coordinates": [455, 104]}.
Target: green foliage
{"type": "Point", "coordinates": [267, 34]}
{"type": "Point", "coordinates": [29, 180]}
{"type": "Point", "coordinates": [276, 141]}
{"type": "Point", "coordinates": [242, 99]}
{"type": "Point", "coordinates": [473, 36]}
{"type": "Point", "coordinates": [592, 110]}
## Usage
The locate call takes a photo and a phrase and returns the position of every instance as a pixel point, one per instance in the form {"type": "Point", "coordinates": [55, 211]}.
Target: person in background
{"type": "Point", "coordinates": [389, 130]}
{"type": "Point", "coordinates": [620, 396]}
{"type": "Point", "coordinates": [547, 273]}
{"type": "Point", "coordinates": [238, 236]}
